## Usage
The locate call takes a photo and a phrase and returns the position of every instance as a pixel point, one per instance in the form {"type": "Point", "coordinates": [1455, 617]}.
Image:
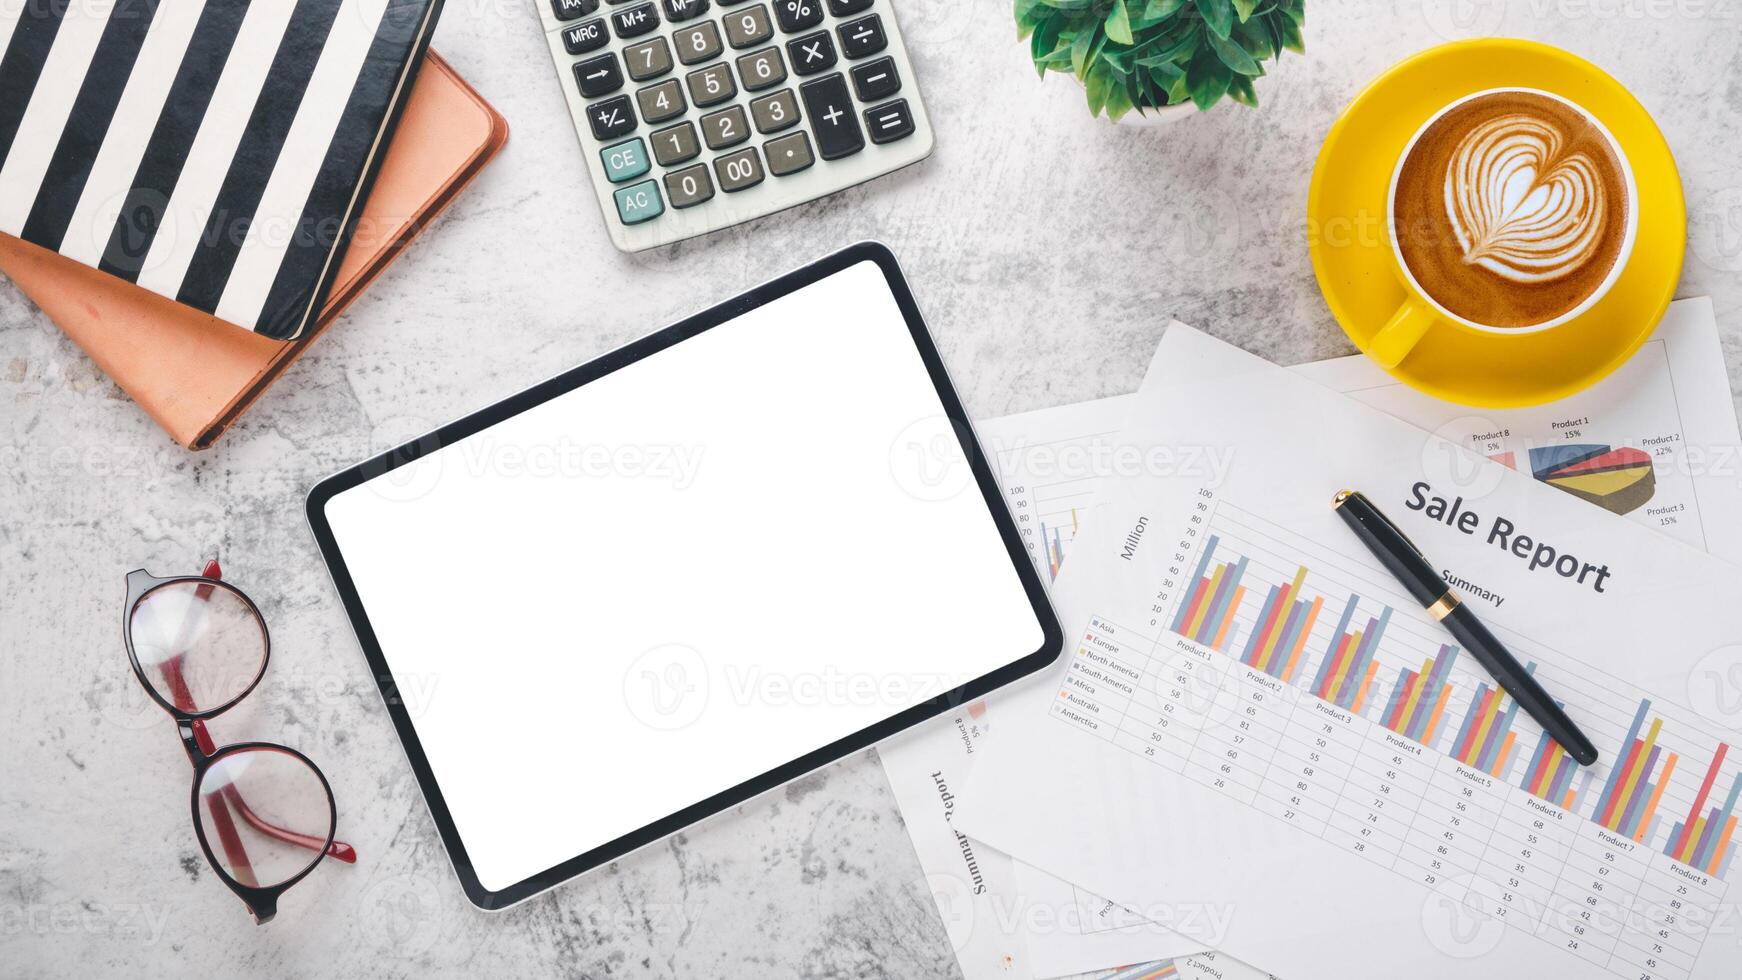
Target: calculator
{"type": "Point", "coordinates": [695, 115]}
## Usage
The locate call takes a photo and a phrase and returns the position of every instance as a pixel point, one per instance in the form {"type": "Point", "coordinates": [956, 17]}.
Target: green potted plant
{"type": "Point", "coordinates": [1162, 58]}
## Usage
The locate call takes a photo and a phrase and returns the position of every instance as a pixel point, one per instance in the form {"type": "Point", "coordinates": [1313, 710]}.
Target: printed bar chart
{"type": "Point", "coordinates": [1486, 740]}
{"type": "Point", "coordinates": [1420, 698]}
{"type": "Point", "coordinates": [1346, 673]}
{"type": "Point", "coordinates": [1629, 798]}
{"type": "Point", "coordinates": [1285, 621]}
{"type": "Point", "coordinates": [1704, 841]}
{"type": "Point", "coordinates": [1209, 615]}
{"type": "Point", "coordinates": [1549, 776]}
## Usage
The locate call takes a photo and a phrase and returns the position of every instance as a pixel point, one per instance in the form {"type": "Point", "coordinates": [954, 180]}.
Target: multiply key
{"type": "Point", "coordinates": [830, 110]}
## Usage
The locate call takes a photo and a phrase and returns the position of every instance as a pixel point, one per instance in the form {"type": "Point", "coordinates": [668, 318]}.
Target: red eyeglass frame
{"type": "Point", "coordinates": [203, 752]}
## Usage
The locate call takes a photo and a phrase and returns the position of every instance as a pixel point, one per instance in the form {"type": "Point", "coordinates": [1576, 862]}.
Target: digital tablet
{"type": "Point", "coordinates": [658, 584]}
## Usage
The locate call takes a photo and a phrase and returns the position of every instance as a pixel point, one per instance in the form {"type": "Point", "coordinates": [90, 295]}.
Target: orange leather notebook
{"type": "Point", "coordinates": [195, 374]}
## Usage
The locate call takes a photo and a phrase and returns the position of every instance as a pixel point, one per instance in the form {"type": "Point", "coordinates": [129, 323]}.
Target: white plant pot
{"type": "Point", "coordinates": [1167, 115]}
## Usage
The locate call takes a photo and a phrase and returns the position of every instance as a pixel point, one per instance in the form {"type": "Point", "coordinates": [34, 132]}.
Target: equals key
{"type": "Point", "coordinates": [889, 122]}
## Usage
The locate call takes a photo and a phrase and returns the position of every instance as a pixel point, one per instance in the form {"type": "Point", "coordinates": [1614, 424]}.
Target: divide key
{"type": "Point", "coordinates": [830, 110]}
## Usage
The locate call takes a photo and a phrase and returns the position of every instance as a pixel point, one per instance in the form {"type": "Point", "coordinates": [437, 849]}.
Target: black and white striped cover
{"type": "Point", "coordinates": [213, 151]}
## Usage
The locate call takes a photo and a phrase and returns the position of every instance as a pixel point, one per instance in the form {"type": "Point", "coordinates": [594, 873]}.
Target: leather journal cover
{"type": "Point", "coordinates": [215, 153]}
{"type": "Point", "coordinates": [195, 374]}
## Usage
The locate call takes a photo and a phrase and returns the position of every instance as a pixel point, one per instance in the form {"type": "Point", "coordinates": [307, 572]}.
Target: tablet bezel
{"type": "Point", "coordinates": [469, 425]}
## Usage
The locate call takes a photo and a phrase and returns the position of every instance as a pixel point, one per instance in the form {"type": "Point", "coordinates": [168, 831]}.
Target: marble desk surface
{"type": "Point", "coordinates": [1048, 251]}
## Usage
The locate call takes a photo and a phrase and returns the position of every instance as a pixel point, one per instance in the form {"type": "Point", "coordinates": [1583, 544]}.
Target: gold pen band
{"type": "Point", "coordinates": [1444, 605]}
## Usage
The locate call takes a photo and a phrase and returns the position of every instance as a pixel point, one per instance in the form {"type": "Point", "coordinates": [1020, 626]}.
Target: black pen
{"type": "Point", "coordinates": [1404, 560]}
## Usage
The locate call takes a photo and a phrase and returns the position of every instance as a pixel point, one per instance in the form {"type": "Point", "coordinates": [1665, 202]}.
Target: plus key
{"type": "Point", "coordinates": [830, 110]}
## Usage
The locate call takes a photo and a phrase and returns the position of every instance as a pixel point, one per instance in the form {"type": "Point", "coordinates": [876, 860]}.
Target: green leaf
{"type": "Point", "coordinates": [1028, 14]}
{"type": "Point", "coordinates": [1207, 78]}
{"type": "Point", "coordinates": [1175, 50]}
{"type": "Point", "coordinates": [1219, 14]}
{"type": "Point", "coordinates": [1234, 56]}
{"type": "Point", "coordinates": [1158, 10]}
{"type": "Point", "coordinates": [1081, 45]}
{"type": "Point", "coordinates": [1098, 83]}
{"type": "Point", "coordinates": [1291, 38]}
{"type": "Point", "coordinates": [1119, 24]}
{"type": "Point", "coordinates": [1118, 101]}
{"type": "Point", "coordinates": [1240, 90]}
{"type": "Point", "coordinates": [1243, 9]}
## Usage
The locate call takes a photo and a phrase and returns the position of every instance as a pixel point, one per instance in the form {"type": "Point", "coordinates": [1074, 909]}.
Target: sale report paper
{"type": "Point", "coordinates": [1005, 920]}
{"type": "Point", "coordinates": [1252, 717]}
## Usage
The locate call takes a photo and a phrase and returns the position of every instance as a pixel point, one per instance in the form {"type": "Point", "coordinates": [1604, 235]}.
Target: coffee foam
{"type": "Point", "coordinates": [1511, 209]}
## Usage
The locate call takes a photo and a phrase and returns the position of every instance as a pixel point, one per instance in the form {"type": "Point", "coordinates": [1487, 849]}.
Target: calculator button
{"type": "Point", "coordinates": [762, 69]}
{"type": "Point", "coordinates": [570, 9]}
{"type": "Point", "coordinates": [876, 80]}
{"type": "Point", "coordinates": [599, 76]}
{"type": "Point", "coordinates": [748, 26]}
{"type": "Point", "coordinates": [635, 21]}
{"type": "Point", "coordinates": [661, 102]}
{"type": "Point", "coordinates": [863, 37]}
{"type": "Point", "coordinates": [798, 15]}
{"type": "Point", "coordinates": [788, 154]}
{"type": "Point", "coordinates": [889, 122]}
{"type": "Point", "coordinates": [647, 60]}
{"type": "Point", "coordinates": [611, 118]}
{"type": "Point", "coordinates": [675, 145]}
{"type": "Point", "coordinates": [739, 170]}
{"type": "Point", "coordinates": [812, 53]}
{"type": "Point", "coordinates": [774, 113]}
{"type": "Point", "coordinates": [712, 85]}
{"type": "Point", "coordinates": [582, 38]}
{"type": "Point", "coordinates": [640, 202]}
{"type": "Point", "coordinates": [842, 8]}
{"type": "Point", "coordinates": [676, 10]}
{"type": "Point", "coordinates": [728, 127]}
{"type": "Point", "coordinates": [625, 161]}
{"type": "Point", "coordinates": [690, 186]}
{"type": "Point", "coordinates": [698, 44]}
{"type": "Point", "coordinates": [830, 110]}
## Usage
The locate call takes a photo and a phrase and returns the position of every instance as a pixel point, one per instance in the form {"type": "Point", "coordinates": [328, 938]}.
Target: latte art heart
{"type": "Point", "coordinates": [1520, 206]}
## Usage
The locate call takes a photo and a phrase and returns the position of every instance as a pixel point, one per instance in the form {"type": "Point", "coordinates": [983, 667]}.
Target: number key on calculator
{"type": "Point", "coordinates": [694, 115]}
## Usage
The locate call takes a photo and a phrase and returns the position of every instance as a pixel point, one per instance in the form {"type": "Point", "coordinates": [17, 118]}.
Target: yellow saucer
{"type": "Point", "coordinates": [1358, 274]}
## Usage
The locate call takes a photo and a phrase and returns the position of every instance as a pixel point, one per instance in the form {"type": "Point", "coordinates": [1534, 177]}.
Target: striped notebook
{"type": "Point", "coordinates": [213, 151]}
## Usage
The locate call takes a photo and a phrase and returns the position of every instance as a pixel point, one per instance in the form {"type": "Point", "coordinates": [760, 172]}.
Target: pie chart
{"type": "Point", "coordinates": [1618, 480]}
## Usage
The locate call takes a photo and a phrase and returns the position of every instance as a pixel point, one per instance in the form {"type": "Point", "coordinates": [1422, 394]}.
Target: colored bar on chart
{"type": "Point", "coordinates": [1421, 696]}
{"type": "Point", "coordinates": [1632, 776]}
{"type": "Point", "coordinates": [1283, 624]}
{"type": "Point", "coordinates": [1357, 680]}
{"type": "Point", "coordinates": [1222, 607]}
{"type": "Point", "coordinates": [1703, 840]}
{"type": "Point", "coordinates": [1550, 773]}
{"type": "Point", "coordinates": [1199, 585]}
{"type": "Point", "coordinates": [1339, 648]}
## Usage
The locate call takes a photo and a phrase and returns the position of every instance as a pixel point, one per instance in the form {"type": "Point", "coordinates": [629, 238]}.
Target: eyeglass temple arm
{"type": "Point", "coordinates": [338, 849]}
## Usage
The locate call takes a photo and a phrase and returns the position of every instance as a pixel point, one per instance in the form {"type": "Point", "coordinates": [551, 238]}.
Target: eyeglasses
{"type": "Point", "coordinates": [200, 646]}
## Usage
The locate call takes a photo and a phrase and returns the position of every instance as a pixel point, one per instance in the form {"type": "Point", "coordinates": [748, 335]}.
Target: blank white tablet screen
{"type": "Point", "coordinates": [682, 575]}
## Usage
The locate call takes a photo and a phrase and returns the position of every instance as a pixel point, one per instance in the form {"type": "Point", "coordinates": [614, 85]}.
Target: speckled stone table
{"type": "Point", "coordinates": [1048, 251]}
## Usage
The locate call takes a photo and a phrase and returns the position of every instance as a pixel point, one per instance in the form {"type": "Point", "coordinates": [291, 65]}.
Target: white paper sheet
{"type": "Point", "coordinates": [1372, 854]}
{"type": "Point", "coordinates": [1670, 401]}
{"type": "Point", "coordinates": [1050, 463]}
{"type": "Point", "coordinates": [1005, 921]}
